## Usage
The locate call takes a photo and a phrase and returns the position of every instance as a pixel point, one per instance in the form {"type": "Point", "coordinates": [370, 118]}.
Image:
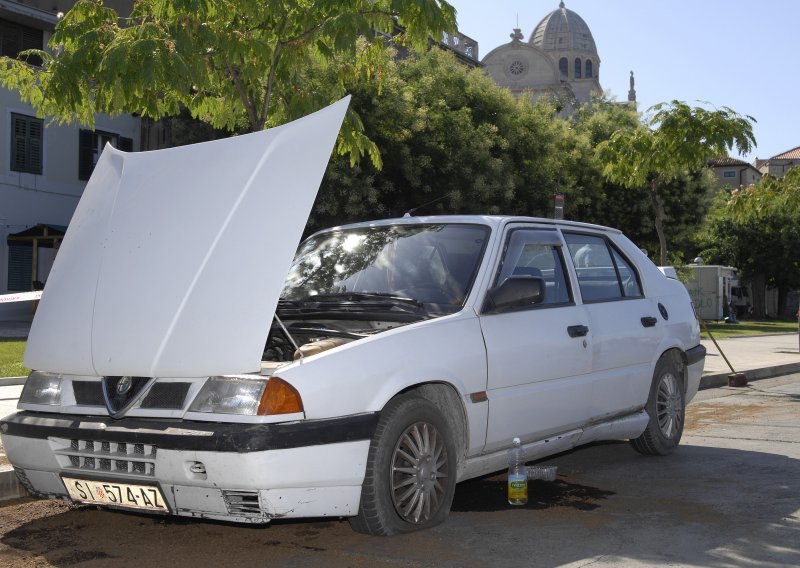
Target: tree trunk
{"type": "Point", "coordinates": [759, 285]}
{"type": "Point", "coordinates": [658, 220]}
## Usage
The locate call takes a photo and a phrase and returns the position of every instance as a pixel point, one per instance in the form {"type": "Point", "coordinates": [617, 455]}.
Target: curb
{"type": "Point", "coordinates": [721, 379]}
{"type": "Point", "coordinates": [10, 487]}
{"type": "Point", "coordinates": [12, 381]}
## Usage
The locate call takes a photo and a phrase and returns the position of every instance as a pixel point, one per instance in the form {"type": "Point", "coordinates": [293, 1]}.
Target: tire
{"type": "Point", "coordinates": [411, 470]}
{"type": "Point", "coordinates": [666, 407]}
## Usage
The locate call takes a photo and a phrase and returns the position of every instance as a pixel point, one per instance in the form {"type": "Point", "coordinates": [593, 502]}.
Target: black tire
{"type": "Point", "coordinates": [411, 470]}
{"type": "Point", "coordinates": [666, 407]}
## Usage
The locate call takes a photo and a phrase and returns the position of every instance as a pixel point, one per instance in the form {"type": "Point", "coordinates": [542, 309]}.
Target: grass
{"type": "Point", "coordinates": [11, 352]}
{"type": "Point", "coordinates": [744, 328]}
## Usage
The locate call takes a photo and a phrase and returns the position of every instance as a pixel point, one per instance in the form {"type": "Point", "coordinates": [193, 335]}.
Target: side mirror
{"type": "Point", "coordinates": [515, 292]}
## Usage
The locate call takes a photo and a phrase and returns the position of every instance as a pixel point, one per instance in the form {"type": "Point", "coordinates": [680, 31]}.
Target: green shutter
{"type": "Point", "coordinates": [85, 151]}
{"type": "Point", "coordinates": [35, 146]}
{"type": "Point", "coordinates": [20, 264]}
{"type": "Point", "coordinates": [19, 133]}
{"type": "Point", "coordinates": [26, 144]}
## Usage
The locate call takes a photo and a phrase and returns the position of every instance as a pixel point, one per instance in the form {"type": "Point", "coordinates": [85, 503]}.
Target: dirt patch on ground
{"type": "Point", "coordinates": [703, 414]}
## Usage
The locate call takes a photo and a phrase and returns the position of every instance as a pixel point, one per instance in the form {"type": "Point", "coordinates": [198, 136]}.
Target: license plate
{"type": "Point", "coordinates": [128, 495]}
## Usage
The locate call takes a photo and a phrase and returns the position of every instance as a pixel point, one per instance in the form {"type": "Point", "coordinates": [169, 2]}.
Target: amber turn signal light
{"type": "Point", "coordinates": [279, 398]}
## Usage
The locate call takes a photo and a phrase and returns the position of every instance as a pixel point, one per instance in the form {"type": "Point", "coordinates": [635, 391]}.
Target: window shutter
{"type": "Point", "coordinates": [20, 264]}
{"type": "Point", "coordinates": [125, 144]}
{"type": "Point", "coordinates": [26, 144]}
{"type": "Point", "coordinates": [10, 39]}
{"type": "Point", "coordinates": [85, 151]}
{"type": "Point", "coordinates": [19, 132]}
{"type": "Point", "coordinates": [34, 147]}
{"type": "Point", "coordinates": [32, 39]}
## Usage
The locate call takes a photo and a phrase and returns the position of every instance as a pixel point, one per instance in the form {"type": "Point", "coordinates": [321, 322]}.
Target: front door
{"type": "Point", "coordinates": [539, 356]}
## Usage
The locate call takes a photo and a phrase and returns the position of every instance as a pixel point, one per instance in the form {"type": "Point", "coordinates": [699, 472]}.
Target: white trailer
{"type": "Point", "coordinates": [710, 289]}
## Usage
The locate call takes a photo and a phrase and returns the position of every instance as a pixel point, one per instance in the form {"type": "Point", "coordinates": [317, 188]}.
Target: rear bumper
{"type": "Point", "coordinates": [241, 473]}
{"type": "Point", "coordinates": [695, 361]}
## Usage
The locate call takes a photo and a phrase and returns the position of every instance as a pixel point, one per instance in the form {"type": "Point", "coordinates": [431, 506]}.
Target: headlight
{"type": "Point", "coordinates": [250, 397]}
{"type": "Point", "coordinates": [41, 388]}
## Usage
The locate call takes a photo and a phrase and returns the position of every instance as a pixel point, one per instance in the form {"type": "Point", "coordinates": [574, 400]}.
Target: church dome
{"type": "Point", "coordinates": [563, 30]}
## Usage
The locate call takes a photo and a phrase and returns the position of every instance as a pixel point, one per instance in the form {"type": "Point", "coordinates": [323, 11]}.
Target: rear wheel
{"type": "Point", "coordinates": [667, 410]}
{"type": "Point", "coordinates": [411, 470]}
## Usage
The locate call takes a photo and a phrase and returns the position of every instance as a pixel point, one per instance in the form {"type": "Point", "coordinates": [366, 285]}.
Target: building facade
{"type": "Point", "coordinates": [559, 60]}
{"type": "Point", "coordinates": [733, 173]}
{"type": "Point", "coordinates": [778, 165]}
{"type": "Point", "coordinates": [43, 166]}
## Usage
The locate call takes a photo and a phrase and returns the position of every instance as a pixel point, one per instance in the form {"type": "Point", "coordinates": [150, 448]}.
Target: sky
{"type": "Point", "coordinates": [734, 53]}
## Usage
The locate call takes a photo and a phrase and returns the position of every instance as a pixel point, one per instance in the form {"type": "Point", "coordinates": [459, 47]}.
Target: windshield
{"type": "Point", "coordinates": [433, 265]}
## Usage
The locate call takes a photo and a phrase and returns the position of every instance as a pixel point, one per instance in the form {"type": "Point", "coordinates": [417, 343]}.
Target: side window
{"type": "Point", "coordinates": [628, 276]}
{"type": "Point", "coordinates": [603, 273]}
{"type": "Point", "coordinates": [538, 254]}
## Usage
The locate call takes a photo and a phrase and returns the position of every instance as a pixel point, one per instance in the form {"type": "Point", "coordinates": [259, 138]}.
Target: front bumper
{"type": "Point", "coordinates": [235, 472]}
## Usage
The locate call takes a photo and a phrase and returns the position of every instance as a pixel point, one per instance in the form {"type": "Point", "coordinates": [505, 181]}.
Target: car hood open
{"type": "Point", "coordinates": [174, 259]}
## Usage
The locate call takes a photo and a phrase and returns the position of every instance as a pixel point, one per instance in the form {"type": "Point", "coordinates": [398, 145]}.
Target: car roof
{"type": "Point", "coordinates": [494, 221]}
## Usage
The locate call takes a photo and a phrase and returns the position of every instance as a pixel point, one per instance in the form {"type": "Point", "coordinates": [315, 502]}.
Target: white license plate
{"type": "Point", "coordinates": [128, 495]}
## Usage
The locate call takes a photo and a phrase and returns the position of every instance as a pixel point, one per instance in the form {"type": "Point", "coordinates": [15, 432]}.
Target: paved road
{"type": "Point", "coordinates": [729, 496]}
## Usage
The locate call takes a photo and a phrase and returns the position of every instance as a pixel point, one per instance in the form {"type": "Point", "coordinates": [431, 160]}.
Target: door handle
{"type": "Point", "coordinates": [649, 321]}
{"type": "Point", "coordinates": [577, 330]}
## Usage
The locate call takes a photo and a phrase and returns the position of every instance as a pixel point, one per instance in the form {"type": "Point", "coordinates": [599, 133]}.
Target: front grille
{"type": "Point", "coordinates": [88, 393]}
{"type": "Point", "coordinates": [102, 456]}
{"type": "Point", "coordinates": [162, 396]}
{"type": "Point", "coordinates": [166, 396]}
{"type": "Point", "coordinates": [242, 502]}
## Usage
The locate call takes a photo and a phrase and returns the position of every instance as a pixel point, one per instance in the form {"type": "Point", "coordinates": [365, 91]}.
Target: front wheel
{"type": "Point", "coordinates": [411, 470]}
{"type": "Point", "coordinates": [666, 407]}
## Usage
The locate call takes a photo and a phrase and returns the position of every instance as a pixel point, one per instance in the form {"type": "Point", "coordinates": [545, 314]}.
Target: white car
{"type": "Point", "coordinates": [179, 371]}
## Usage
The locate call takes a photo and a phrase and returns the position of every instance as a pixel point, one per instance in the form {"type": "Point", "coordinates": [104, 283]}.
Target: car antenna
{"type": "Point", "coordinates": [410, 212]}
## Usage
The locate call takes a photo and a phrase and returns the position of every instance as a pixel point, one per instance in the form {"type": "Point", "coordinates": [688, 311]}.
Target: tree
{"type": "Point", "coordinates": [757, 229]}
{"type": "Point", "coordinates": [446, 133]}
{"type": "Point", "coordinates": [235, 64]}
{"type": "Point", "coordinates": [675, 140]}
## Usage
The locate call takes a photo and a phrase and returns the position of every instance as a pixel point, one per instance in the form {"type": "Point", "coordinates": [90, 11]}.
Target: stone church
{"type": "Point", "coordinates": [559, 60]}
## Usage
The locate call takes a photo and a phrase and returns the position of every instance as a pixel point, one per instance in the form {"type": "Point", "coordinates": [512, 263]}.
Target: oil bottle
{"type": "Point", "coordinates": [517, 475]}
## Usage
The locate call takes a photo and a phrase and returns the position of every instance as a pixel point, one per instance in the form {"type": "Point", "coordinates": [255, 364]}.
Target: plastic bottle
{"type": "Point", "coordinates": [517, 475]}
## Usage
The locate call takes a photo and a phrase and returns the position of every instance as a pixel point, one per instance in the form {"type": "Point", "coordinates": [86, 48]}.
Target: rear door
{"type": "Point", "coordinates": [539, 357]}
{"type": "Point", "coordinates": [626, 326]}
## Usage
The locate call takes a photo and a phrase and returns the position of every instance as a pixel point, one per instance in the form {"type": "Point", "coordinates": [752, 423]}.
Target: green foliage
{"type": "Point", "coordinates": [444, 132]}
{"type": "Point", "coordinates": [235, 64]}
{"type": "Point", "coordinates": [676, 139]}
